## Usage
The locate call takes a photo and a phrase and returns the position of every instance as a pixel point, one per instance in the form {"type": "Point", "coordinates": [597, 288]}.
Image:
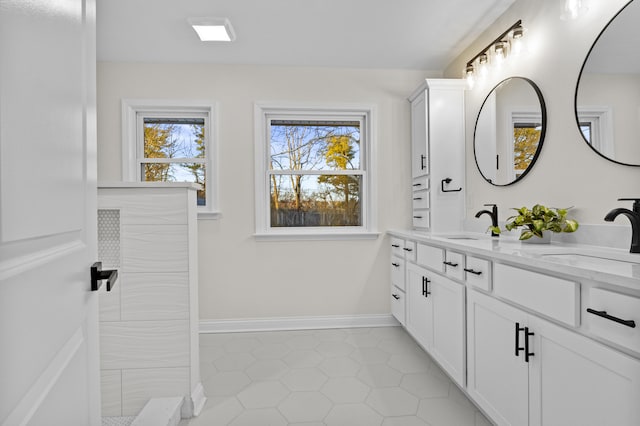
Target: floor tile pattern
{"type": "Point", "coordinates": [336, 377]}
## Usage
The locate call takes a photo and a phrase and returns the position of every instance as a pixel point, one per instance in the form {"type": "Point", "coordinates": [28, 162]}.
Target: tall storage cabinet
{"type": "Point", "coordinates": [438, 155]}
{"type": "Point", "coordinates": [149, 344]}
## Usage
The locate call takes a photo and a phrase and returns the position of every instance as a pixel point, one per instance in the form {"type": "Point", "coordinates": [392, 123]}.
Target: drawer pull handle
{"type": "Point", "coordinates": [603, 314]}
{"type": "Point", "coordinates": [417, 198]}
{"type": "Point", "coordinates": [395, 245]}
{"type": "Point", "coordinates": [407, 249]}
{"type": "Point", "coordinates": [417, 217]}
{"type": "Point", "coordinates": [395, 296]}
{"type": "Point", "coordinates": [471, 271]}
{"type": "Point", "coordinates": [397, 265]}
{"type": "Point", "coordinates": [518, 347]}
{"type": "Point", "coordinates": [453, 265]}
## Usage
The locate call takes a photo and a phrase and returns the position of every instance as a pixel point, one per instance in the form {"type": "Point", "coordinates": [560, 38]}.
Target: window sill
{"type": "Point", "coordinates": [207, 215]}
{"type": "Point", "coordinates": [316, 236]}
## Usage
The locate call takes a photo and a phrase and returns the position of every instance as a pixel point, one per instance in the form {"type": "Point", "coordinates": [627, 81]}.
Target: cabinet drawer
{"type": "Point", "coordinates": [421, 218]}
{"type": "Point", "coordinates": [420, 183]}
{"type": "Point", "coordinates": [615, 306]}
{"type": "Point", "coordinates": [555, 297]}
{"type": "Point", "coordinates": [420, 200]}
{"type": "Point", "coordinates": [410, 251]}
{"type": "Point", "coordinates": [454, 264]}
{"type": "Point", "coordinates": [397, 304]}
{"type": "Point", "coordinates": [397, 272]}
{"type": "Point", "coordinates": [397, 246]}
{"type": "Point", "coordinates": [478, 273]}
{"type": "Point", "coordinates": [431, 257]}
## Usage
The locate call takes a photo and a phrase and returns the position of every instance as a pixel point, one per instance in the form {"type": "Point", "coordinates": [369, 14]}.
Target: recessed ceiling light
{"type": "Point", "coordinates": [213, 29]}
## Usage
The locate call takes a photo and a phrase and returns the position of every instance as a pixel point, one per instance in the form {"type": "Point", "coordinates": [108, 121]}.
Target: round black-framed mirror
{"type": "Point", "coordinates": [607, 97]}
{"type": "Point", "coordinates": [509, 131]}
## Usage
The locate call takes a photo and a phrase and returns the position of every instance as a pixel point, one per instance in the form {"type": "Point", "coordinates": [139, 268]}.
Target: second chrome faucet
{"type": "Point", "coordinates": [493, 213]}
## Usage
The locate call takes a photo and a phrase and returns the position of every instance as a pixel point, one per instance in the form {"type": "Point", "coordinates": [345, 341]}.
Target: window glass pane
{"type": "Point", "coordinates": [176, 172]}
{"type": "Point", "coordinates": [525, 145]}
{"type": "Point", "coordinates": [174, 138]}
{"type": "Point", "coordinates": [314, 145]}
{"type": "Point", "coordinates": [324, 200]}
{"type": "Point", "coordinates": [586, 131]}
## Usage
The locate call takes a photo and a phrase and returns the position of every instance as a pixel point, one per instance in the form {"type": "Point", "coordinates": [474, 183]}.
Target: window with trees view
{"type": "Point", "coordinates": [170, 142]}
{"type": "Point", "coordinates": [315, 175]}
{"type": "Point", "coordinates": [174, 150]}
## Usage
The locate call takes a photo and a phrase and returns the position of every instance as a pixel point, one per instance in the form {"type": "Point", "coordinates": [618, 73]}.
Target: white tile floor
{"type": "Point", "coordinates": [346, 377]}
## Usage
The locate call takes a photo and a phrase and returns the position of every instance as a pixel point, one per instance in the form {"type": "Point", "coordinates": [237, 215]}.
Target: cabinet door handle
{"type": "Point", "coordinates": [518, 347]}
{"type": "Point", "coordinates": [454, 265]}
{"type": "Point", "coordinates": [425, 288]}
{"type": "Point", "coordinates": [527, 354]}
{"type": "Point", "coordinates": [603, 314]}
{"type": "Point", "coordinates": [407, 249]}
{"type": "Point", "coordinates": [422, 161]}
{"type": "Point", "coordinates": [395, 296]}
{"type": "Point", "coordinates": [417, 198]}
{"type": "Point", "coordinates": [417, 217]}
{"type": "Point", "coordinates": [417, 184]}
{"type": "Point", "coordinates": [395, 245]}
{"type": "Point", "coordinates": [397, 265]}
{"type": "Point", "coordinates": [471, 271]}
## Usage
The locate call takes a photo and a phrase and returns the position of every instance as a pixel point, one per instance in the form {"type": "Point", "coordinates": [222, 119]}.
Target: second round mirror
{"type": "Point", "coordinates": [509, 131]}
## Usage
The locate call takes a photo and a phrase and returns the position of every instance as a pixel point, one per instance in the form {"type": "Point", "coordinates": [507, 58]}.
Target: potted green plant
{"type": "Point", "coordinates": [538, 219]}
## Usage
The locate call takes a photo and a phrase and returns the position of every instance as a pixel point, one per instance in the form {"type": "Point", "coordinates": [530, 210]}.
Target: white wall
{"type": "Point", "coordinates": [242, 278]}
{"type": "Point", "coordinates": [568, 172]}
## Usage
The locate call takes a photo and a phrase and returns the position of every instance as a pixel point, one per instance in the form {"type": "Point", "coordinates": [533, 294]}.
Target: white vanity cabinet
{"type": "Point", "coordinates": [529, 341]}
{"type": "Point", "coordinates": [523, 370]}
{"type": "Point", "coordinates": [437, 155]}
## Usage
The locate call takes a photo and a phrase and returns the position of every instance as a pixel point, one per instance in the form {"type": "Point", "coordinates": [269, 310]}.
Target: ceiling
{"type": "Point", "coordinates": [401, 34]}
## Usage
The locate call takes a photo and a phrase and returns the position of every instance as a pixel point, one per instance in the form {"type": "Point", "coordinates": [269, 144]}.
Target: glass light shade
{"type": "Point", "coordinates": [213, 29]}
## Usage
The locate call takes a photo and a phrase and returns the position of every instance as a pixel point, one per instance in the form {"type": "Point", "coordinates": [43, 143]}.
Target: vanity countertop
{"type": "Point", "coordinates": [603, 264]}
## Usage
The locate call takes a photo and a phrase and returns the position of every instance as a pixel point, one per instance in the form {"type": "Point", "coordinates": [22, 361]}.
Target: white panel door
{"type": "Point", "coordinates": [575, 380]}
{"type": "Point", "coordinates": [419, 305]}
{"type": "Point", "coordinates": [49, 362]}
{"type": "Point", "coordinates": [497, 379]}
{"type": "Point", "coordinates": [448, 326]}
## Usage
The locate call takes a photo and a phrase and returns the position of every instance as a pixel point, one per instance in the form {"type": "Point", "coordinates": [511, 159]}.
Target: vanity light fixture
{"type": "Point", "coordinates": [573, 9]}
{"type": "Point", "coordinates": [213, 29]}
{"type": "Point", "coordinates": [479, 63]}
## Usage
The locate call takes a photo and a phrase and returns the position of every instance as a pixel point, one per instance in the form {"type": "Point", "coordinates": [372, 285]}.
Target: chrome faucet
{"type": "Point", "coordinates": [493, 213]}
{"type": "Point", "coordinates": [634, 217]}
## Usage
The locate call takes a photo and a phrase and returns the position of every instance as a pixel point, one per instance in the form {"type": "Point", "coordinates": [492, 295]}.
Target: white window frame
{"type": "Point", "coordinates": [263, 113]}
{"type": "Point", "coordinates": [133, 109]}
{"type": "Point", "coordinates": [600, 119]}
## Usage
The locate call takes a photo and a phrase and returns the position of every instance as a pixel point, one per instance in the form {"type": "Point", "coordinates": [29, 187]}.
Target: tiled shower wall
{"type": "Point", "coordinates": [148, 322]}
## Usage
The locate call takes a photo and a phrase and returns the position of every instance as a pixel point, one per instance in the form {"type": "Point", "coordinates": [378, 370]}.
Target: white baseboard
{"type": "Point", "coordinates": [296, 323]}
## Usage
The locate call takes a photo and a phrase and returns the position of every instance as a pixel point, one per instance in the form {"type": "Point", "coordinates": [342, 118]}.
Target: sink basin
{"type": "Point", "coordinates": [627, 267]}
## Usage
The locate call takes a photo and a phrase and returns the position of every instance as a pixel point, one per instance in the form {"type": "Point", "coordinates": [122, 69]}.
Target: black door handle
{"type": "Point", "coordinates": [425, 288]}
{"type": "Point", "coordinates": [518, 330]}
{"type": "Point", "coordinates": [422, 158]}
{"type": "Point", "coordinates": [603, 314]}
{"type": "Point", "coordinates": [97, 275]}
{"type": "Point", "coordinates": [471, 271]}
{"type": "Point", "coordinates": [395, 296]}
{"type": "Point", "coordinates": [454, 265]}
{"type": "Point", "coordinates": [527, 354]}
